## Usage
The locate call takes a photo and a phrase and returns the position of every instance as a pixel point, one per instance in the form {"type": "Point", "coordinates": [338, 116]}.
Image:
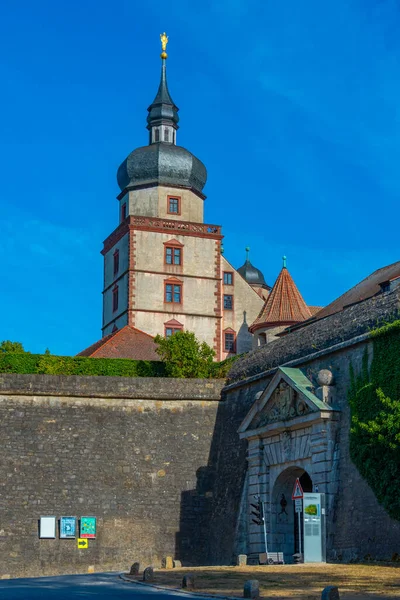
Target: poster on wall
{"type": "Point", "coordinates": [67, 527]}
{"type": "Point", "coordinates": [47, 527]}
{"type": "Point", "coordinates": [88, 527]}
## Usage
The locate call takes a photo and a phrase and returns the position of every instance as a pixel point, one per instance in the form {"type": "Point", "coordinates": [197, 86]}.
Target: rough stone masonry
{"type": "Point", "coordinates": [128, 451]}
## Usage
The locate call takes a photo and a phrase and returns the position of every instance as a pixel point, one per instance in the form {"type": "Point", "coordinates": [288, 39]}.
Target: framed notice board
{"type": "Point", "coordinates": [88, 527]}
{"type": "Point", "coordinates": [67, 528]}
{"type": "Point", "coordinates": [47, 527]}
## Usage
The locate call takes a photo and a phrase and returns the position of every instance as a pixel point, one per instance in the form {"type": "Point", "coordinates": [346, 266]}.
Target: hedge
{"type": "Point", "coordinates": [79, 365]}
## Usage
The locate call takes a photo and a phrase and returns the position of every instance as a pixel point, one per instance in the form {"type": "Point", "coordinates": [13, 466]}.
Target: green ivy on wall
{"type": "Point", "coordinates": [374, 399]}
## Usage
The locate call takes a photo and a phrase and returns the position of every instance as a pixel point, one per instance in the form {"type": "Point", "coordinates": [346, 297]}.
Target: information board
{"type": "Point", "coordinates": [88, 527]}
{"type": "Point", "coordinates": [67, 527]}
{"type": "Point", "coordinates": [47, 527]}
{"type": "Point", "coordinates": [314, 527]}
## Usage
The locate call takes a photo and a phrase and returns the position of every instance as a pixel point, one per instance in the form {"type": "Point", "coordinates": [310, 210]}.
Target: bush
{"type": "Point", "coordinates": [8, 346]}
{"type": "Point", "coordinates": [185, 356]}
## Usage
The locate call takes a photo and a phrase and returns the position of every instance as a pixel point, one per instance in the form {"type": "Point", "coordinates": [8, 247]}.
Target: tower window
{"type": "Point", "coordinates": [173, 293]}
{"type": "Point", "coordinates": [174, 205]}
{"type": "Point", "coordinates": [116, 261]}
{"type": "Point", "coordinates": [228, 278]}
{"type": "Point", "coordinates": [172, 327]}
{"type": "Point", "coordinates": [115, 298]}
{"type": "Point", "coordinates": [228, 302]}
{"type": "Point", "coordinates": [229, 341]}
{"type": "Point", "coordinates": [123, 212]}
{"type": "Point", "coordinates": [166, 135]}
{"type": "Point", "coordinates": [171, 330]}
{"type": "Point", "coordinates": [173, 256]}
{"type": "Point", "coordinates": [156, 135]}
{"type": "Point", "coordinates": [174, 136]}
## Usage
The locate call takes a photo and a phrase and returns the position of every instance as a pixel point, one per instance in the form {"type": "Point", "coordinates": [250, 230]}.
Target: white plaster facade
{"type": "Point", "coordinates": [141, 241]}
{"type": "Point", "coordinates": [265, 335]}
{"type": "Point", "coordinates": [246, 306]}
{"type": "Point", "coordinates": [153, 202]}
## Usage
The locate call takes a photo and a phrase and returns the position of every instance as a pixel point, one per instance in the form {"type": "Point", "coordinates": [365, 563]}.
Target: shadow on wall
{"type": "Point", "coordinates": [209, 513]}
{"type": "Point", "coordinates": [244, 339]}
{"type": "Point", "coordinates": [195, 511]}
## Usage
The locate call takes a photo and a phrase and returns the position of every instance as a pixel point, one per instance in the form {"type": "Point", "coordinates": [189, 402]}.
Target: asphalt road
{"type": "Point", "coordinates": [90, 587]}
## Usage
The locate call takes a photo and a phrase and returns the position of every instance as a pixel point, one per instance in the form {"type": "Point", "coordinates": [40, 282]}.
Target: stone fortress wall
{"type": "Point", "coordinates": [132, 452]}
{"type": "Point", "coordinates": [160, 464]}
{"type": "Point", "coordinates": [357, 526]}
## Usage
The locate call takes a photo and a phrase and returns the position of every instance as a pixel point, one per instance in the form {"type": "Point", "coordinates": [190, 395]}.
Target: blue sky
{"type": "Point", "coordinates": [293, 107]}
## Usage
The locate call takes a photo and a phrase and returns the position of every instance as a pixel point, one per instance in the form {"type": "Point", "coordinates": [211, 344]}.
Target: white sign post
{"type": "Point", "coordinates": [297, 496]}
{"type": "Point", "coordinates": [298, 505]}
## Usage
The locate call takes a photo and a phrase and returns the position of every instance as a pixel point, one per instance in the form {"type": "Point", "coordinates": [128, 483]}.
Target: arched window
{"type": "Point", "coordinates": [157, 135]}
{"type": "Point", "coordinates": [166, 134]}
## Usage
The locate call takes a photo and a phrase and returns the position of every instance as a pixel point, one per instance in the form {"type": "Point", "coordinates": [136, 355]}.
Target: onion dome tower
{"type": "Point", "coordinates": [285, 306]}
{"type": "Point", "coordinates": [162, 162]}
{"type": "Point", "coordinates": [254, 277]}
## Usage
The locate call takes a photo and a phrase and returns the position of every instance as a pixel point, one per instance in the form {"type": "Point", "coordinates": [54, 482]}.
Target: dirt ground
{"type": "Point", "coordinates": [303, 582]}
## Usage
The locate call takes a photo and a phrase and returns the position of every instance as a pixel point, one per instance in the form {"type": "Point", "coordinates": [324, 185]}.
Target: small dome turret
{"type": "Point", "coordinates": [251, 274]}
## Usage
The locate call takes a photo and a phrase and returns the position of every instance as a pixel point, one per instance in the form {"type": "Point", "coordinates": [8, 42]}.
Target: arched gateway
{"type": "Point", "coordinates": [291, 431]}
{"type": "Point", "coordinates": [284, 524]}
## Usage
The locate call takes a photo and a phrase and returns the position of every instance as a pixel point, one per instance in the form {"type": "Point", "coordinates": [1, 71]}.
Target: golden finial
{"type": "Point", "coordinates": [164, 42]}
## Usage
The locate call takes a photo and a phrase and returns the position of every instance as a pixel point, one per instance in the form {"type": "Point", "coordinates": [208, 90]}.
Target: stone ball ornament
{"type": "Point", "coordinates": [325, 377]}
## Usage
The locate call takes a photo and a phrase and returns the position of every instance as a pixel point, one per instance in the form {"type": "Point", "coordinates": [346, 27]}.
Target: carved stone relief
{"type": "Point", "coordinates": [283, 405]}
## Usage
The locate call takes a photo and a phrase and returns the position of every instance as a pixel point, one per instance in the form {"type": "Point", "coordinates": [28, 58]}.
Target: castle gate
{"type": "Point", "coordinates": [291, 431]}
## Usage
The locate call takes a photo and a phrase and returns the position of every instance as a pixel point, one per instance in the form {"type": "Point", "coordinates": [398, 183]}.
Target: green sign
{"type": "Point", "coordinates": [88, 527]}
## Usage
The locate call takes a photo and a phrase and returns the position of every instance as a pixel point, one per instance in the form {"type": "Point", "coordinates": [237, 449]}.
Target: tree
{"type": "Point", "coordinates": [8, 346]}
{"type": "Point", "coordinates": [184, 355]}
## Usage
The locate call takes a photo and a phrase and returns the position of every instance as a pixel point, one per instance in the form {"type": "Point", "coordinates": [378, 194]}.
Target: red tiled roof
{"type": "Point", "coordinates": [284, 305]}
{"type": "Point", "coordinates": [127, 342]}
{"type": "Point", "coordinates": [367, 288]}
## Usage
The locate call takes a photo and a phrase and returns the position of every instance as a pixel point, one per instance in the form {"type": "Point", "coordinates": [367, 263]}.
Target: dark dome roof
{"type": "Point", "coordinates": [251, 274]}
{"type": "Point", "coordinates": [162, 163]}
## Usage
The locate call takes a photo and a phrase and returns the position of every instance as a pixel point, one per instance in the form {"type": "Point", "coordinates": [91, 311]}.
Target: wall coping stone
{"type": "Point", "coordinates": [143, 388]}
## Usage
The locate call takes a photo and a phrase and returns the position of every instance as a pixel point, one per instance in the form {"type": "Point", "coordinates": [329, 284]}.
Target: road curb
{"type": "Point", "coordinates": [177, 590]}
